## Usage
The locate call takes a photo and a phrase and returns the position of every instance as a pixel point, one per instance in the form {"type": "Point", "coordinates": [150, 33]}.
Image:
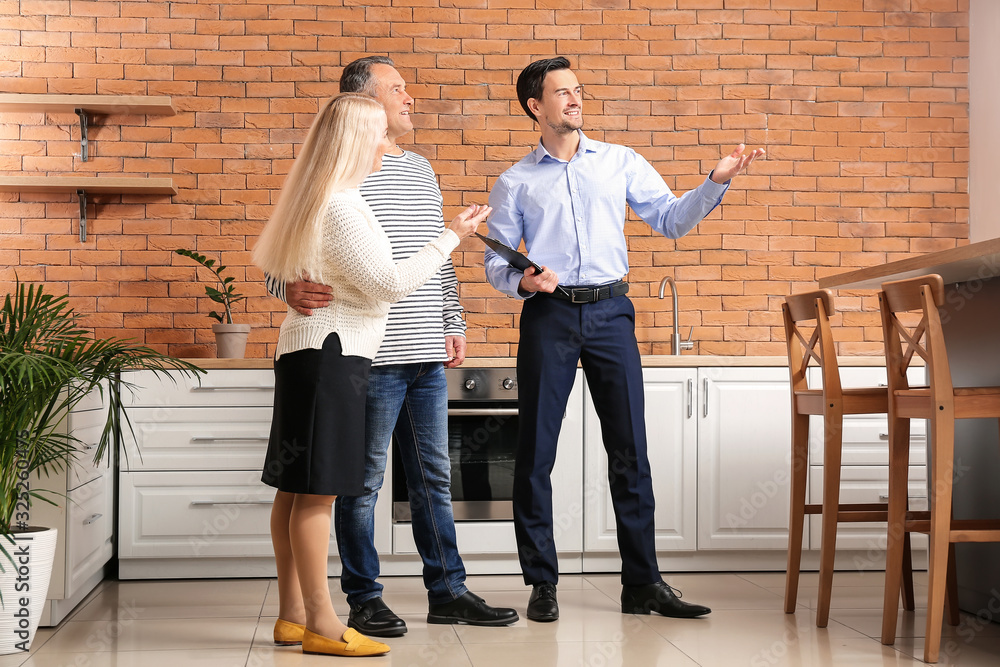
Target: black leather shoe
{"type": "Point", "coordinates": [470, 609]}
{"type": "Point", "coordinates": [542, 605]}
{"type": "Point", "coordinates": [659, 598]}
{"type": "Point", "coordinates": [373, 618]}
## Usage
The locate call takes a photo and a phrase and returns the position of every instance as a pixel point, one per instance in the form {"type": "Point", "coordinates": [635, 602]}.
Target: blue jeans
{"type": "Point", "coordinates": [410, 401]}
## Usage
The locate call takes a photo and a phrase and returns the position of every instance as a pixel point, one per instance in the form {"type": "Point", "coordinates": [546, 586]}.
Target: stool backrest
{"type": "Point", "coordinates": [911, 327]}
{"type": "Point", "coordinates": [808, 338]}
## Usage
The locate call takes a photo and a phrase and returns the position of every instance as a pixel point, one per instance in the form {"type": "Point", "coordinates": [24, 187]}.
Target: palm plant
{"type": "Point", "coordinates": [48, 363]}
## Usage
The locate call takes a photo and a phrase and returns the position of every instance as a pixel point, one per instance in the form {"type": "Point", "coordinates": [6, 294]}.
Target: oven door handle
{"type": "Point", "coordinates": [482, 412]}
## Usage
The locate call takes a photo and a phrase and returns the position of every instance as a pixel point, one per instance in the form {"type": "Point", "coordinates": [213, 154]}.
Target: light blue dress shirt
{"type": "Point", "coordinates": [571, 215]}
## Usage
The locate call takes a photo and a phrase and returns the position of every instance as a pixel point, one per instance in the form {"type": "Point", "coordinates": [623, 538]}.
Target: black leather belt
{"type": "Point", "coordinates": [590, 294]}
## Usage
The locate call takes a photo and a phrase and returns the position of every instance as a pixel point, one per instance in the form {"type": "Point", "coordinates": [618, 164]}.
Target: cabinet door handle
{"type": "Point", "coordinates": [209, 503]}
{"type": "Point", "coordinates": [234, 388]}
{"type": "Point", "coordinates": [885, 498]}
{"type": "Point", "coordinates": [913, 436]}
{"type": "Point", "coordinates": [484, 412]}
{"type": "Point", "coordinates": [232, 438]}
{"type": "Point", "coordinates": [704, 400]}
{"type": "Point", "coordinates": [690, 400]}
{"type": "Point", "coordinates": [91, 519]}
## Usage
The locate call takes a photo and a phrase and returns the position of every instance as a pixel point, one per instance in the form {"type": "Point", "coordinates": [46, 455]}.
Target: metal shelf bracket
{"type": "Point", "coordinates": [83, 132]}
{"type": "Point", "coordinates": [82, 194]}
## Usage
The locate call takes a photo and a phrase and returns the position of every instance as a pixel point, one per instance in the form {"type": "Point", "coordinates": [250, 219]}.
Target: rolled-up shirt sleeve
{"type": "Point", "coordinates": [506, 224]}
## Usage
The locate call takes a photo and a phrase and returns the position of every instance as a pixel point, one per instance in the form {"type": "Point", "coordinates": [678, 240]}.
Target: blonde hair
{"type": "Point", "coordinates": [338, 153]}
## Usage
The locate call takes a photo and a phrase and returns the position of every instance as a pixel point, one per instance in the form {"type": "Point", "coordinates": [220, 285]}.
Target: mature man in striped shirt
{"type": "Point", "coordinates": [407, 391]}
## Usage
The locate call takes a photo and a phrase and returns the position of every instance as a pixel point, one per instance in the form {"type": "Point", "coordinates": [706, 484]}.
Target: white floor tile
{"type": "Point", "coordinates": [229, 623]}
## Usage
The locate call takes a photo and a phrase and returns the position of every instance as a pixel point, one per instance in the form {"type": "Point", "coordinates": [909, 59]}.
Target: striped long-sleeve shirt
{"type": "Point", "coordinates": [407, 202]}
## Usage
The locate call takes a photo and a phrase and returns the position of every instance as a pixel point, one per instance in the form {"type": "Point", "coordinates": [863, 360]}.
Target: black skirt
{"type": "Point", "coordinates": [317, 442]}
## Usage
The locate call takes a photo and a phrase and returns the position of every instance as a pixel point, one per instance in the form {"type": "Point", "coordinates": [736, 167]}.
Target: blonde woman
{"type": "Point", "coordinates": [322, 229]}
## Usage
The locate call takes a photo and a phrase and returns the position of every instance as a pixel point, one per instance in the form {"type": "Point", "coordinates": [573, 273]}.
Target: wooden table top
{"type": "Point", "coordinates": [976, 261]}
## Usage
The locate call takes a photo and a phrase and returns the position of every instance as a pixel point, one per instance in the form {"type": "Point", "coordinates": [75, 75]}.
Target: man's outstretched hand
{"type": "Point", "coordinates": [734, 163]}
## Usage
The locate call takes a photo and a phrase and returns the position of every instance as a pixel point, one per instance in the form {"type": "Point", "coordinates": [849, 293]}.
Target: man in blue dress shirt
{"type": "Point", "coordinates": [566, 200]}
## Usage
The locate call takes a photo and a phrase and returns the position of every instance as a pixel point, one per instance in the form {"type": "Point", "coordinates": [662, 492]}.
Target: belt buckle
{"type": "Point", "coordinates": [592, 294]}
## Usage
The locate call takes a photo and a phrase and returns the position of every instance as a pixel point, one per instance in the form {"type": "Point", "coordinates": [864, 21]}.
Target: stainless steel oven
{"type": "Point", "coordinates": [482, 441]}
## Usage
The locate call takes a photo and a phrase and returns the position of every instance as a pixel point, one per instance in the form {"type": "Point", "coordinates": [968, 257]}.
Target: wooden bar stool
{"type": "Point", "coordinates": [809, 338]}
{"type": "Point", "coordinates": [919, 333]}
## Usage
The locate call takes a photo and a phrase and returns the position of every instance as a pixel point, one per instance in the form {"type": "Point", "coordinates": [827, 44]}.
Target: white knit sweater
{"type": "Point", "coordinates": [357, 264]}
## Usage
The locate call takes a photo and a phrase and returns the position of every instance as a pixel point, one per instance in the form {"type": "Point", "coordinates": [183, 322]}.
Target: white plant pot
{"type": "Point", "coordinates": [25, 585]}
{"type": "Point", "coordinates": [230, 340]}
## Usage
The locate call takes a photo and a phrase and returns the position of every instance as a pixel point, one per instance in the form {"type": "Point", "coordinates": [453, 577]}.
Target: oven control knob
{"type": "Point", "coordinates": [508, 383]}
{"type": "Point", "coordinates": [470, 384]}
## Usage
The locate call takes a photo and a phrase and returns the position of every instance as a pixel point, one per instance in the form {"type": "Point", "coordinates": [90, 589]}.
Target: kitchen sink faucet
{"type": "Point", "coordinates": [676, 344]}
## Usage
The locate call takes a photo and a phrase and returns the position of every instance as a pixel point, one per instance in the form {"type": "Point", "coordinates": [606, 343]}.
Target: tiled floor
{"type": "Point", "coordinates": [221, 623]}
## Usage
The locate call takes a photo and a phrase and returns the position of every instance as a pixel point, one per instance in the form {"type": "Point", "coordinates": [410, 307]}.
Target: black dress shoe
{"type": "Point", "coordinates": [373, 618]}
{"type": "Point", "coordinates": [659, 598]}
{"type": "Point", "coordinates": [470, 609]}
{"type": "Point", "coordinates": [542, 605]}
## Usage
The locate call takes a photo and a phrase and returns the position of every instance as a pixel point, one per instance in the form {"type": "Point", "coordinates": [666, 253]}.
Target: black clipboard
{"type": "Point", "coordinates": [516, 259]}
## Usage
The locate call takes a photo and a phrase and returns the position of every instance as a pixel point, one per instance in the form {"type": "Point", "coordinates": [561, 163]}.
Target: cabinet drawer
{"type": "Point", "coordinates": [197, 439]}
{"type": "Point", "coordinates": [194, 514]}
{"type": "Point", "coordinates": [89, 530]}
{"type": "Point", "coordinates": [83, 469]}
{"type": "Point", "coordinates": [866, 440]}
{"type": "Point", "coordinates": [95, 400]}
{"type": "Point", "coordinates": [241, 387]}
{"type": "Point", "coordinates": [865, 484]}
{"type": "Point", "coordinates": [866, 437]}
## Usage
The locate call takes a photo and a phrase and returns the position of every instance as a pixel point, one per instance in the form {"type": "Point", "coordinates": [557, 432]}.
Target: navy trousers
{"type": "Point", "coordinates": [555, 335]}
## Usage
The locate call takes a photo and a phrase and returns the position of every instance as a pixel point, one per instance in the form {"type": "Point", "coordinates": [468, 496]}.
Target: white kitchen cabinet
{"type": "Point", "coordinates": [718, 443]}
{"type": "Point", "coordinates": [672, 439]}
{"type": "Point", "coordinates": [83, 513]}
{"type": "Point", "coordinates": [191, 500]}
{"type": "Point", "coordinates": [744, 432]}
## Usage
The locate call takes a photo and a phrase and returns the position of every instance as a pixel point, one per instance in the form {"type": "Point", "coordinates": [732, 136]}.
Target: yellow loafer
{"type": "Point", "coordinates": [287, 633]}
{"type": "Point", "coordinates": [354, 644]}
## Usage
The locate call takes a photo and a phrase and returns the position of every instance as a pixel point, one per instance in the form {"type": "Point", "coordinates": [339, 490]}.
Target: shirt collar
{"type": "Point", "coordinates": [586, 146]}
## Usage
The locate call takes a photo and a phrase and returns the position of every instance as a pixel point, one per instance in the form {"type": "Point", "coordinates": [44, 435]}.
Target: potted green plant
{"type": "Point", "coordinates": [48, 363]}
{"type": "Point", "coordinates": [230, 338]}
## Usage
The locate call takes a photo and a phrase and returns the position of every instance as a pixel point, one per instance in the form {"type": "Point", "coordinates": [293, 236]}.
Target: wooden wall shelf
{"type": "Point", "coordinates": [92, 184]}
{"type": "Point", "coordinates": [82, 105]}
{"type": "Point", "coordinates": [123, 105]}
{"type": "Point", "coordinates": [81, 185]}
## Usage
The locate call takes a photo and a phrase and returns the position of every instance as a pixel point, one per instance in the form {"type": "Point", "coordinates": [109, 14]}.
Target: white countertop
{"type": "Point", "coordinates": [648, 361]}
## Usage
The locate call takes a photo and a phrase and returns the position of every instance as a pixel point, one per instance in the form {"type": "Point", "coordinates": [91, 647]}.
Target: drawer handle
{"type": "Point", "coordinates": [211, 503]}
{"type": "Point", "coordinates": [885, 498]}
{"type": "Point", "coordinates": [482, 412]}
{"type": "Point", "coordinates": [91, 519]}
{"type": "Point", "coordinates": [913, 436]}
{"type": "Point", "coordinates": [234, 438]}
{"type": "Point", "coordinates": [234, 388]}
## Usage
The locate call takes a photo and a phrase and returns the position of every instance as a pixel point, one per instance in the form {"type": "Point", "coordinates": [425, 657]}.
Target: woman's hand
{"type": "Point", "coordinates": [466, 222]}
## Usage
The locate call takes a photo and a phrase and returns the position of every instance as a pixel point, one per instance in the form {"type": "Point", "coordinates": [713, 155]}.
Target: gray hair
{"type": "Point", "coordinates": [358, 77]}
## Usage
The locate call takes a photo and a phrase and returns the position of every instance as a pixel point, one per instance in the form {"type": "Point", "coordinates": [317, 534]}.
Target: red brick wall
{"type": "Point", "coordinates": [861, 105]}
